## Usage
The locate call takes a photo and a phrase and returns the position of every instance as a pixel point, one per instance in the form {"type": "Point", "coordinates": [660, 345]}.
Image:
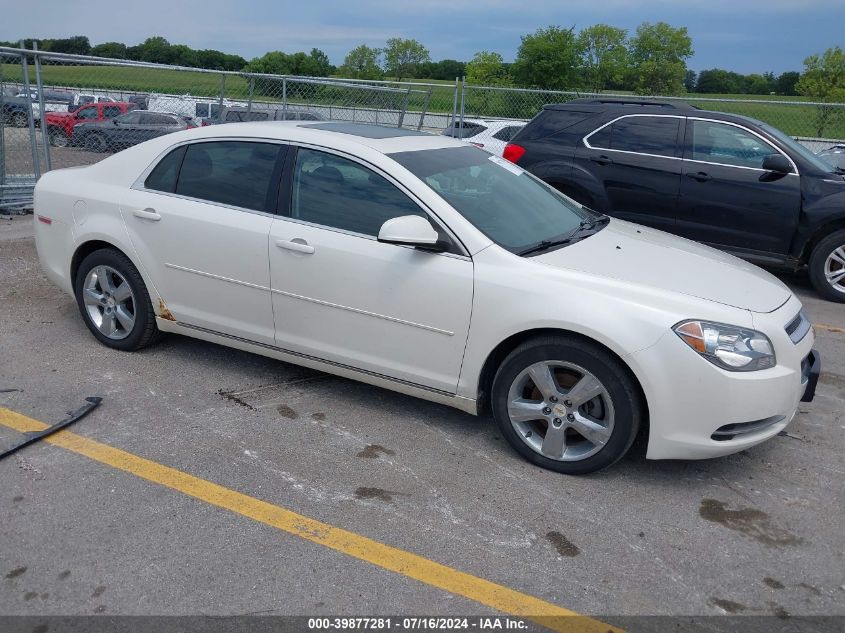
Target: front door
{"type": "Point", "coordinates": [727, 199]}
{"type": "Point", "coordinates": [342, 296]}
{"type": "Point", "coordinates": [200, 225]}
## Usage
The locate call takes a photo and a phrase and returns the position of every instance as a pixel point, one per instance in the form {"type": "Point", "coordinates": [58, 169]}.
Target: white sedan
{"type": "Point", "coordinates": [491, 136]}
{"type": "Point", "coordinates": [423, 265]}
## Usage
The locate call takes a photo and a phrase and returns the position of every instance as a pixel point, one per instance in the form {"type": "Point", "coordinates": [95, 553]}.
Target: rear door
{"type": "Point", "coordinates": [199, 223]}
{"type": "Point", "coordinates": [727, 198]}
{"type": "Point", "coordinates": [635, 161]}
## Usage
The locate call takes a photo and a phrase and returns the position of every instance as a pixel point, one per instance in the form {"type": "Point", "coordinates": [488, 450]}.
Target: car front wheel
{"type": "Point", "coordinates": [95, 143]}
{"type": "Point", "coordinates": [566, 404]}
{"type": "Point", "coordinates": [827, 267]}
{"type": "Point", "coordinates": [114, 302]}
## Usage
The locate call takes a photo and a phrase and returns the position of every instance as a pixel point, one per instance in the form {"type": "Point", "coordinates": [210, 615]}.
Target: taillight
{"type": "Point", "coordinates": [513, 152]}
{"type": "Point", "coordinates": [44, 220]}
{"type": "Point", "coordinates": [481, 145]}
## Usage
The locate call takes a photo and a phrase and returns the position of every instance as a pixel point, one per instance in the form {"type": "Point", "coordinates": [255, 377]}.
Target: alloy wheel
{"type": "Point", "coordinates": [834, 269]}
{"type": "Point", "coordinates": [109, 302]}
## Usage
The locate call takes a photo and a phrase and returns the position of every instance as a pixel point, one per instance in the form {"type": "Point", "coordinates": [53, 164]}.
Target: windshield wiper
{"type": "Point", "coordinates": [544, 245]}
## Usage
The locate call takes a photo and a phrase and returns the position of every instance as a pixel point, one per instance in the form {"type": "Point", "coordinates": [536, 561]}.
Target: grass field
{"type": "Point", "coordinates": [797, 120]}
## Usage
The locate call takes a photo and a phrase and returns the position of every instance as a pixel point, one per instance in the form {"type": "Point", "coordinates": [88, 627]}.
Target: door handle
{"type": "Point", "coordinates": [700, 176]}
{"type": "Point", "coordinates": [602, 160]}
{"type": "Point", "coordinates": [297, 245]}
{"type": "Point", "coordinates": [147, 214]}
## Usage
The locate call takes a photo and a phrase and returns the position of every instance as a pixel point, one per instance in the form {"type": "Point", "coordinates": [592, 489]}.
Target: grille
{"type": "Point", "coordinates": [731, 431]}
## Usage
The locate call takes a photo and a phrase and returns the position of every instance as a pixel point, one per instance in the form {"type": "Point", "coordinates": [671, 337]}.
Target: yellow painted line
{"type": "Point", "coordinates": [829, 328]}
{"type": "Point", "coordinates": [411, 565]}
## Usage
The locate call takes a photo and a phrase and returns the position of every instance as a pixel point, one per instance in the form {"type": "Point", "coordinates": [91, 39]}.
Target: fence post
{"type": "Point", "coordinates": [424, 109]}
{"type": "Point", "coordinates": [249, 102]}
{"type": "Point", "coordinates": [222, 92]}
{"type": "Point", "coordinates": [36, 168]}
{"type": "Point", "coordinates": [284, 98]}
{"type": "Point", "coordinates": [455, 106]}
{"type": "Point", "coordinates": [45, 137]}
{"type": "Point", "coordinates": [2, 136]}
{"type": "Point", "coordinates": [463, 102]}
{"type": "Point", "coordinates": [404, 108]}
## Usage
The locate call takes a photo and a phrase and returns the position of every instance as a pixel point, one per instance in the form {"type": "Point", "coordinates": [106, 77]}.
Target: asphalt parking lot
{"type": "Point", "coordinates": [754, 534]}
{"type": "Point", "coordinates": [18, 152]}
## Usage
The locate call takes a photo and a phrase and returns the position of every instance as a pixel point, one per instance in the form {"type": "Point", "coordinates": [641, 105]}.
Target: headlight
{"type": "Point", "coordinates": [728, 346]}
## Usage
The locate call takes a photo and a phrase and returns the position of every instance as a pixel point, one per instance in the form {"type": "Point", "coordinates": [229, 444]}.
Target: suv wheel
{"type": "Point", "coordinates": [58, 137]}
{"type": "Point", "coordinates": [827, 267]}
{"type": "Point", "coordinates": [566, 404]}
{"type": "Point", "coordinates": [95, 142]}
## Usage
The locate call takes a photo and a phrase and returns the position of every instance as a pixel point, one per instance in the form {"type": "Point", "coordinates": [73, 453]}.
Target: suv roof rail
{"type": "Point", "coordinates": [671, 105]}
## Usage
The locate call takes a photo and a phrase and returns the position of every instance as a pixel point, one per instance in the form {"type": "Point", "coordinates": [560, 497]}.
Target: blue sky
{"type": "Point", "coordinates": [741, 35]}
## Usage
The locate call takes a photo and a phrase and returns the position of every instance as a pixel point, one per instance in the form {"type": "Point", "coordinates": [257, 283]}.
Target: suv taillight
{"type": "Point", "coordinates": [513, 152]}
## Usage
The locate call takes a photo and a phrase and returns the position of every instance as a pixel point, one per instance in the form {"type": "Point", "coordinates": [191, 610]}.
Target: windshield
{"type": "Point", "coordinates": [510, 206]}
{"type": "Point", "coordinates": [796, 147]}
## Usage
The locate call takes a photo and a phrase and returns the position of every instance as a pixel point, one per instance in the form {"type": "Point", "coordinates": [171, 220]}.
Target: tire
{"type": "Point", "coordinates": [18, 119]}
{"type": "Point", "coordinates": [107, 300]}
{"type": "Point", "coordinates": [58, 138]}
{"type": "Point", "coordinates": [611, 417]}
{"type": "Point", "coordinates": [827, 267]}
{"type": "Point", "coordinates": [95, 142]}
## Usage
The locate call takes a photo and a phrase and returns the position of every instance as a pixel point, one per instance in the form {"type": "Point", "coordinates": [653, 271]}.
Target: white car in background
{"type": "Point", "coordinates": [491, 136]}
{"type": "Point", "coordinates": [424, 265]}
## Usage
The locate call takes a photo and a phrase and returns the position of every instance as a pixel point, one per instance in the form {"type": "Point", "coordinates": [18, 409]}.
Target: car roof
{"type": "Point", "coordinates": [385, 140]}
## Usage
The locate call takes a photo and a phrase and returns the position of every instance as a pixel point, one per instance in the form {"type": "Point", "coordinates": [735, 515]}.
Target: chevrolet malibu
{"type": "Point", "coordinates": [429, 267]}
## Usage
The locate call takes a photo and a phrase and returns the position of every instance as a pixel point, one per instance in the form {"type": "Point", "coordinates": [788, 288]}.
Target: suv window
{"type": "Point", "coordinates": [715, 142]}
{"type": "Point", "coordinates": [342, 194]}
{"type": "Point", "coordinates": [129, 117]}
{"type": "Point", "coordinates": [89, 112]}
{"type": "Point", "coordinates": [239, 115]}
{"type": "Point", "coordinates": [640, 134]}
{"type": "Point", "coordinates": [157, 119]}
{"type": "Point", "coordinates": [110, 111]}
{"type": "Point", "coordinates": [163, 176]}
{"type": "Point", "coordinates": [237, 173]}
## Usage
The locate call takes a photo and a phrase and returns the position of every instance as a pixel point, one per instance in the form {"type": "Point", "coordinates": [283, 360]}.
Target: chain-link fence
{"type": "Point", "coordinates": [63, 110]}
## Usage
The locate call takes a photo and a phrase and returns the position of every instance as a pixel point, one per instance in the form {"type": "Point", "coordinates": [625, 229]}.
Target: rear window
{"type": "Point", "coordinates": [640, 134]}
{"type": "Point", "coordinates": [469, 129]}
{"type": "Point", "coordinates": [549, 122]}
{"type": "Point", "coordinates": [163, 177]}
{"type": "Point", "coordinates": [507, 133]}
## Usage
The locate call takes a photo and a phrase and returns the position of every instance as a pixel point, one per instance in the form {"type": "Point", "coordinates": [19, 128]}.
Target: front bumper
{"type": "Point", "coordinates": [698, 411]}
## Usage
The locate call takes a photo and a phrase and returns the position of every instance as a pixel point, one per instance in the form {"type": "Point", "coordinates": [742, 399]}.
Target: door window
{"type": "Point", "coordinates": [715, 142]}
{"type": "Point", "coordinates": [342, 194]}
{"type": "Point", "coordinates": [507, 133]}
{"type": "Point", "coordinates": [86, 113]}
{"type": "Point", "coordinates": [639, 134]}
{"type": "Point", "coordinates": [163, 176]}
{"type": "Point", "coordinates": [110, 111]}
{"type": "Point", "coordinates": [236, 173]}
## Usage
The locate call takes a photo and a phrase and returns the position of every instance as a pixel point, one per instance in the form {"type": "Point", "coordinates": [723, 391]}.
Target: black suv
{"type": "Point", "coordinates": [729, 181]}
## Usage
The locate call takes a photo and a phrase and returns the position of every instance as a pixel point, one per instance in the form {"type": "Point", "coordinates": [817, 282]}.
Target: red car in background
{"type": "Point", "coordinates": [60, 124]}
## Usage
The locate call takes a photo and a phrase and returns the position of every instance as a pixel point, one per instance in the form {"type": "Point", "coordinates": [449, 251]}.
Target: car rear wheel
{"type": "Point", "coordinates": [95, 143]}
{"type": "Point", "coordinates": [18, 119]}
{"type": "Point", "coordinates": [566, 404]}
{"type": "Point", "coordinates": [114, 302]}
{"type": "Point", "coordinates": [58, 138]}
{"type": "Point", "coordinates": [827, 267]}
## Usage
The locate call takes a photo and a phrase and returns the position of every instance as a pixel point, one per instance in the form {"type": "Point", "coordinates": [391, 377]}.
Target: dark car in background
{"type": "Point", "coordinates": [835, 156]}
{"type": "Point", "coordinates": [729, 181]}
{"type": "Point", "coordinates": [127, 129]}
{"type": "Point", "coordinates": [239, 114]}
{"type": "Point", "coordinates": [61, 125]}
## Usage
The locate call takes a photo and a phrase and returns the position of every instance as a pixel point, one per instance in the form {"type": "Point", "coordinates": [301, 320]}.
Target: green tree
{"type": "Point", "coordinates": [785, 84]}
{"type": "Point", "coordinates": [487, 69]}
{"type": "Point", "coordinates": [604, 56]}
{"type": "Point", "coordinates": [155, 49]}
{"type": "Point", "coordinates": [77, 45]}
{"type": "Point", "coordinates": [658, 54]}
{"type": "Point", "coordinates": [272, 63]}
{"type": "Point", "coordinates": [403, 58]}
{"type": "Point", "coordinates": [318, 64]}
{"type": "Point", "coordinates": [824, 81]}
{"type": "Point", "coordinates": [447, 69]}
{"type": "Point", "coordinates": [690, 79]}
{"type": "Point", "coordinates": [362, 62]}
{"type": "Point", "coordinates": [756, 84]}
{"type": "Point", "coordinates": [113, 50]}
{"type": "Point", "coordinates": [717, 80]}
{"type": "Point", "coordinates": [548, 58]}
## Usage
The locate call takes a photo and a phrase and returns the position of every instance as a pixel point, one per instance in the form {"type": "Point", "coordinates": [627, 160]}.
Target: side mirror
{"type": "Point", "coordinates": [410, 230]}
{"type": "Point", "coordinates": [777, 163]}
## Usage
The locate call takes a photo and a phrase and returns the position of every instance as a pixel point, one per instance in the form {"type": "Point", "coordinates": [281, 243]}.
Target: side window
{"type": "Point", "coordinates": [645, 135]}
{"type": "Point", "coordinates": [342, 194]}
{"type": "Point", "coordinates": [237, 173]}
{"type": "Point", "coordinates": [727, 145]}
{"type": "Point", "coordinates": [110, 112]}
{"type": "Point", "coordinates": [86, 113]}
{"type": "Point", "coordinates": [163, 176]}
{"type": "Point", "coordinates": [506, 133]}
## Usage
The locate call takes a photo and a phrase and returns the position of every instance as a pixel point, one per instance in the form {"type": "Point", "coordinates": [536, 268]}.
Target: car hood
{"type": "Point", "coordinates": [640, 255]}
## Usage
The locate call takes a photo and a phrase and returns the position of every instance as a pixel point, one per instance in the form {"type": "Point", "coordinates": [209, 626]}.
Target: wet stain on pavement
{"type": "Point", "coordinates": [29, 595]}
{"type": "Point", "coordinates": [98, 591]}
{"type": "Point", "coordinates": [749, 522]}
{"type": "Point", "coordinates": [231, 396]}
{"type": "Point", "coordinates": [774, 584]}
{"type": "Point", "coordinates": [374, 493]}
{"type": "Point", "coordinates": [813, 590]}
{"type": "Point", "coordinates": [372, 451]}
{"type": "Point", "coordinates": [319, 415]}
{"type": "Point", "coordinates": [17, 571]}
{"type": "Point", "coordinates": [64, 574]}
{"type": "Point", "coordinates": [563, 545]}
{"type": "Point", "coordinates": [778, 610]}
{"type": "Point", "coordinates": [728, 606]}
{"type": "Point", "coordinates": [17, 499]}
{"type": "Point", "coordinates": [100, 609]}
{"type": "Point", "coordinates": [286, 412]}
{"type": "Point", "coordinates": [41, 628]}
